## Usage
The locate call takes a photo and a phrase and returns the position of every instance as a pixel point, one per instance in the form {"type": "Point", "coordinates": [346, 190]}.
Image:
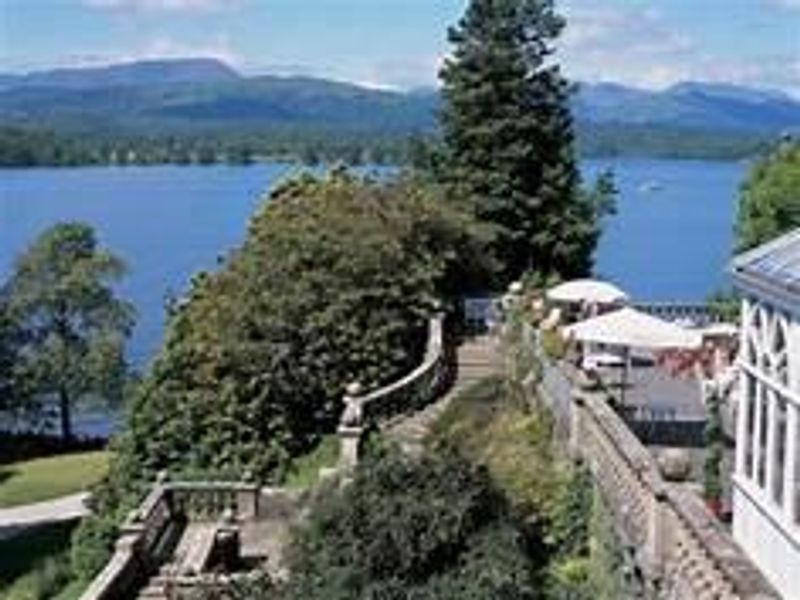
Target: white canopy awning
{"type": "Point", "coordinates": [720, 330]}
{"type": "Point", "coordinates": [632, 328]}
{"type": "Point", "coordinates": [587, 290]}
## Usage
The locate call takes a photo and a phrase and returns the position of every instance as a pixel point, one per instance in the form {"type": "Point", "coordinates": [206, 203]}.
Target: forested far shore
{"type": "Point", "coordinates": [29, 147]}
{"type": "Point", "coordinates": [23, 147]}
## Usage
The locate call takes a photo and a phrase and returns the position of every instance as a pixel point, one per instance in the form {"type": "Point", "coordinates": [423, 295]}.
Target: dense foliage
{"type": "Point", "coordinates": [333, 284]}
{"type": "Point", "coordinates": [433, 529]}
{"type": "Point", "coordinates": [769, 203]}
{"type": "Point", "coordinates": [10, 344]}
{"type": "Point", "coordinates": [73, 327]}
{"type": "Point", "coordinates": [596, 140]}
{"type": "Point", "coordinates": [509, 141]}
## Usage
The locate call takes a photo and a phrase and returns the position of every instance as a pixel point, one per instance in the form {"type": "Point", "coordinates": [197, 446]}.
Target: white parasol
{"type": "Point", "coordinates": [590, 291]}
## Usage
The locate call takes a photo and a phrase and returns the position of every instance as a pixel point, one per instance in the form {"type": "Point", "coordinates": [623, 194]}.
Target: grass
{"type": "Point", "coordinates": [47, 478]}
{"type": "Point", "coordinates": [34, 564]}
{"type": "Point", "coordinates": [304, 471]}
{"type": "Point", "coordinates": [513, 442]}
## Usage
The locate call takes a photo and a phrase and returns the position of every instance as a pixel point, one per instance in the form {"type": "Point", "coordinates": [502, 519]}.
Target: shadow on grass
{"type": "Point", "coordinates": [7, 473]}
{"type": "Point", "coordinates": [22, 553]}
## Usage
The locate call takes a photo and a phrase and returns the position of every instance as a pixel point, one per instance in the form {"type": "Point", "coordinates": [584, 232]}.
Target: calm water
{"type": "Point", "coordinates": [170, 222]}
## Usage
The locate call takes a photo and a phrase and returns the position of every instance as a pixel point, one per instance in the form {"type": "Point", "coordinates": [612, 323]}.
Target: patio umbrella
{"type": "Point", "coordinates": [630, 328]}
{"type": "Point", "coordinates": [590, 291]}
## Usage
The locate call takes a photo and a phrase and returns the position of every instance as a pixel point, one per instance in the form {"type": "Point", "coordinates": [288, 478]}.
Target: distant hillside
{"type": "Point", "coordinates": [206, 97]}
{"type": "Point", "coordinates": [689, 106]}
{"type": "Point", "coordinates": [153, 72]}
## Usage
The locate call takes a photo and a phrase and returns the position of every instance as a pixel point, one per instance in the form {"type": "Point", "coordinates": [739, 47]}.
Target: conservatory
{"type": "Point", "coordinates": [766, 484]}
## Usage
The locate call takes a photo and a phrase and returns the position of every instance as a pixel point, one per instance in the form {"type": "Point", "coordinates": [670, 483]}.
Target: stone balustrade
{"type": "Point", "coordinates": [409, 393]}
{"type": "Point", "coordinates": [148, 536]}
{"type": "Point", "coordinates": [681, 552]}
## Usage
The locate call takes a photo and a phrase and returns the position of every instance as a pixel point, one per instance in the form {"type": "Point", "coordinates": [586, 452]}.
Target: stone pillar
{"type": "Point", "coordinates": [247, 502]}
{"type": "Point", "coordinates": [351, 427]}
{"type": "Point", "coordinates": [228, 545]}
{"type": "Point", "coordinates": [349, 445]}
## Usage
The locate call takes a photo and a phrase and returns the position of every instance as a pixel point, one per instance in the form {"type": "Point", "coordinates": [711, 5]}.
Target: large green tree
{"type": "Point", "coordinates": [509, 141]}
{"type": "Point", "coordinates": [769, 203]}
{"type": "Point", "coordinates": [74, 325]}
{"type": "Point", "coordinates": [333, 284]}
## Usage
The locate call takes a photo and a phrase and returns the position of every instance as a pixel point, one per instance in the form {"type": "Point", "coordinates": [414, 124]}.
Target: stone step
{"type": "Point", "coordinates": [152, 592]}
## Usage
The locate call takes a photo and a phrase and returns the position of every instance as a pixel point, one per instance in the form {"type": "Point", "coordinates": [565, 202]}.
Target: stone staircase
{"type": "Point", "coordinates": [477, 358]}
{"type": "Point", "coordinates": [189, 556]}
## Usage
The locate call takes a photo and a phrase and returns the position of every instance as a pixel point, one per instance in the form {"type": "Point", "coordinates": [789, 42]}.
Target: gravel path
{"type": "Point", "coordinates": [13, 520]}
{"type": "Point", "coordinates": [478, 358]}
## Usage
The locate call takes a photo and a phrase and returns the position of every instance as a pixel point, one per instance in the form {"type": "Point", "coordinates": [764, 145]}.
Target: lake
{"type": "Point", "coordinates": [671, 239]}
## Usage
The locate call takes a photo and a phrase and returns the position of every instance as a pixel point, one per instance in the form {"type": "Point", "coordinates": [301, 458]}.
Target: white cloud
{"type": "Point", "coordinates": [789, 4]}
{"type": "Point", "coordinates": [636, 46]}
{"type": "Point", "coordinates": [160, 5]}
{"type": "Point", "coordinates": [217, 47]}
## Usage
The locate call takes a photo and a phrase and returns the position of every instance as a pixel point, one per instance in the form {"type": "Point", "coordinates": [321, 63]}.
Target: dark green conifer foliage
{"type": "Point", "coordinates": [509, 141]}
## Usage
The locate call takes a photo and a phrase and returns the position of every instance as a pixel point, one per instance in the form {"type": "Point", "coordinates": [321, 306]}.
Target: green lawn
{"type": "Point", "coordinates": [47, 478]}
{"type": "Point", "coordinates": [304, 470]}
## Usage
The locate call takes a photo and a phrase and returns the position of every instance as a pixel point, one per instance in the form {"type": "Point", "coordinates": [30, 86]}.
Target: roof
{"type": "Point", "coordinates": [635, 329]}
{"type": "Point", "coordinates": [773, 268]}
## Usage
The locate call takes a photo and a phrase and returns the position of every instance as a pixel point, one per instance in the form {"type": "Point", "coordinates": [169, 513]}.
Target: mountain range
{"type": "Point", "coordinates": [201, 95]}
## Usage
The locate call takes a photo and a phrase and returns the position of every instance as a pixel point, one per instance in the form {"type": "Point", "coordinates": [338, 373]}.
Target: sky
{"type": "Point", "coordinates": [400, 43]}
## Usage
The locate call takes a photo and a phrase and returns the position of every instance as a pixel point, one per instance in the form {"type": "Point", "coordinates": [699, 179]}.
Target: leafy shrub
{"type": "Point", "coordinates": [51, 576]}
{"type": "Point", "coordinates": [569, 579]}
{"type": "Point", "coordinates": [553, 344]}
{"type": "Point", "coordinates": [512, 441]}
{"type": "Point", "coordinates": [92, 544]}
{"type": "Point", "coordinates": [410, 530]}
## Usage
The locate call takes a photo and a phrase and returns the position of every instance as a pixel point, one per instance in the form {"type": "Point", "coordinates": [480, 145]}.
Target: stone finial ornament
{"type": "Point", "coordinates": [675, 464]}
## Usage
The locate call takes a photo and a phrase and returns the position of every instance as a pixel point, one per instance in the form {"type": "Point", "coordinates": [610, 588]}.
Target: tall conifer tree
{"type": "Point", "coordinates": [509, 141]}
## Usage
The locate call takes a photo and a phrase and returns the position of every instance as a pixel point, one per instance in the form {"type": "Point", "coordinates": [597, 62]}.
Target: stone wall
{"type": "Point", "coordinates": [681, 552]}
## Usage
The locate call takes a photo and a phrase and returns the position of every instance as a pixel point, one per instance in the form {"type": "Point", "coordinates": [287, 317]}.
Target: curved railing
{"type": "Point", "coordinates": [409, 393]}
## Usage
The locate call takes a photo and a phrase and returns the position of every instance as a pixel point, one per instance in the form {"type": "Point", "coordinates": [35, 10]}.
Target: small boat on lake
{"type": "Point", "coordinates": [650, 187]}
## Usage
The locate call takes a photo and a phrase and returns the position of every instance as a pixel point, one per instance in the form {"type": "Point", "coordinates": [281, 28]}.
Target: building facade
{"type": "Point", "coordinates": [766, 484]}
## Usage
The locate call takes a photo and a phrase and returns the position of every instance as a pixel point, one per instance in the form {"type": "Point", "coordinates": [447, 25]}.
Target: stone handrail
{"type": "Point", "coordinates": [410, 392]}
{"type": "Point", "coordinates": [681, 550]}
{"type": "Point", "coordinates": [148, 534]}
